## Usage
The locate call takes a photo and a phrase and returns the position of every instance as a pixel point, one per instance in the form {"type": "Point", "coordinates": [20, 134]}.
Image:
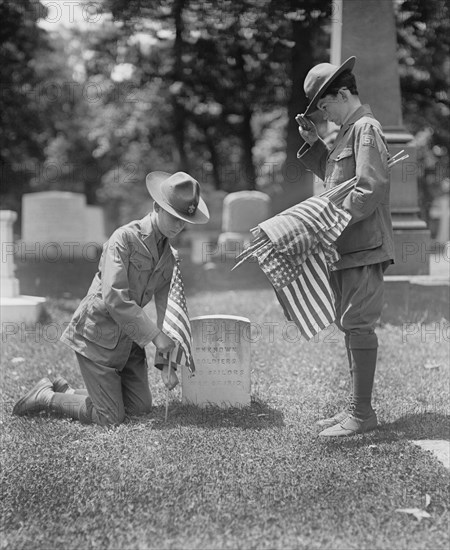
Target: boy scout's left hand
{"type": "Point", "coordinates": [163, 343]}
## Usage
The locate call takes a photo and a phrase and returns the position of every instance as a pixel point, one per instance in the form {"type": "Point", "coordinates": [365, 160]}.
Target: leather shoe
{"type": "Point", "coordinates": [352, 426]}
{"type": "Point", "coordinates": [36, 400]}
{"type": "Point", "coordinates": [333, 420]}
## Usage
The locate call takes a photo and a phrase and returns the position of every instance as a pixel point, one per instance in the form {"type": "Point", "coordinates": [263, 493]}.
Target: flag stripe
{"type": "Point", "coordinates": [312, 298]}
{"type": "Point", "coordinates": [320, 277]}
{"type": "Point", "coordinates": [310, 307]}
{"type": "Point", "coordinates": [300, 314]}
{"type": "Point", "coordinates": [320, 300]}
{"type": "Point", "coordinates": [179, 318]}
{"type": "Point", "coordinates": [175, 329]}
{"type": "Point", "coordinates": [309, 300]}
{"type": "Point", "coordinates": [176, 321]}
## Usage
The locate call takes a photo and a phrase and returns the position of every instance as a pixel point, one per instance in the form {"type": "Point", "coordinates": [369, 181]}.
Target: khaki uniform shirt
{"type": "Point", "coordinates": [111, 316]}
{"type": "Point", "coordinates": [359, 150]}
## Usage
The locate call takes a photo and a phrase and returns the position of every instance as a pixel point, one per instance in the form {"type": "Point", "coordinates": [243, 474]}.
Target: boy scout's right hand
{"type": "Point", "coordinates": [307, 129]}
{"type": "Point", "coordinates": [163, 343]}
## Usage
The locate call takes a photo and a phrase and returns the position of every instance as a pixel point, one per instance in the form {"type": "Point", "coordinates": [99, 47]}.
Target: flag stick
{"type": "Point", "coordinates": [168, 382]}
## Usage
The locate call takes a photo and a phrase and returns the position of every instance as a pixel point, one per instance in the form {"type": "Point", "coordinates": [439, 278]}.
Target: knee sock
{"type": "Point", "coordinates": [365, 361]}
{"type": "Point", "coordinates": [363, 349]}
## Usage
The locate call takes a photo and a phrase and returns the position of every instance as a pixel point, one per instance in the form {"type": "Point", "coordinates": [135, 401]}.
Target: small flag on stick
{"type": "Point", "coordinates": [176, 322]}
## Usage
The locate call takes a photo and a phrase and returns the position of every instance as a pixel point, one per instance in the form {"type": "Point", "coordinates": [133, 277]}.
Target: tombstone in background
{"type": "Point", "coordinates": [9, 284]}
{"type": "Point", "coordinates": [242, 211]}
{"type": "Point", "coordinates": [14, 308]}
{"type": "Point", "coordinates": [62, 223]}
{"type": "Point", "coordinates": [367, 30]}
{"type": "Point", "coordinates": [221, 350]}
{"type": "Point", "coordinates": [54, 217]}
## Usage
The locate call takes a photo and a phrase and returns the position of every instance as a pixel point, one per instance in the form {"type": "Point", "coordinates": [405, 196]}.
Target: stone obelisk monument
{"type": "Point", "coordinates": [366, 29]}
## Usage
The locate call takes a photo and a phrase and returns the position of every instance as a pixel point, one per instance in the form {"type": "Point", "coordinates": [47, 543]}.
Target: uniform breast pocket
{"type": "Point", "coordinates": [139, 271]}
{"type": "Point", "coordinates": [340, 166]}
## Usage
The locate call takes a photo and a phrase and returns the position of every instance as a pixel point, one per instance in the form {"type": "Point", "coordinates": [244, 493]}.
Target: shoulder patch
{"type": "Point", "coordinates": [368, 140]}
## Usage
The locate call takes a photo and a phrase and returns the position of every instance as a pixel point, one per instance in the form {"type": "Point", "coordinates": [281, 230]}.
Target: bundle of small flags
{"type": "Point", "coordinates": [296, 248]}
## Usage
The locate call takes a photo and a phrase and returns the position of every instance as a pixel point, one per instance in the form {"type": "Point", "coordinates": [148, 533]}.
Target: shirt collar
{"type": "Point", "coordinates": [363, 110]}
{"type": "Point", "coordinates": [149, 226]}
{"type": "Point", "coordinates": [151, 235]}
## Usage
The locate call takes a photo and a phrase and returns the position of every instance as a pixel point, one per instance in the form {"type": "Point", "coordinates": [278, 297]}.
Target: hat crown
{"type": "Point", "coordinates": [320, 77]}
{"type": "Point", "coordinates": [179, 195]}
{"type": "Point", "coordinates": [317, 77]}
{"type": "Point", "coordinates": [182, 192]}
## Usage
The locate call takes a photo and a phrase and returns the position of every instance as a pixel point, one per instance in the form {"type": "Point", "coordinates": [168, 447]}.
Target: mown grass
{"type": "Point", "coordinates": [252, 478]}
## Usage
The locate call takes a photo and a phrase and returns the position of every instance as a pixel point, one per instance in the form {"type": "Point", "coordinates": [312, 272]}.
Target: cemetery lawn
{"type": "Point", "coordinates": [252, 478]}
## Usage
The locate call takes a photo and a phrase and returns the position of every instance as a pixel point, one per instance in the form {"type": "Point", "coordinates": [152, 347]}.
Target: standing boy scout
{"type": "Point", "coordinates": [110, 328]}
{"type": "Point", "coordinates": [366, 245]}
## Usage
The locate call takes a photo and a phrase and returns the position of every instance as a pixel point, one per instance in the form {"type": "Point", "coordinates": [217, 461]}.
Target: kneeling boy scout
{"type": "Point", "coordinates": [366, 245]}
{"type": "Point", "coordinates": [110, 329]}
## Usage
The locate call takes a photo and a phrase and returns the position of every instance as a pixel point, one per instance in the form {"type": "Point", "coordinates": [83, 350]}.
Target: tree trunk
{"type": "Point", "coordinates": [248, 173]}
{"type": "Point", "coordinates": [296, 180]}
{"type": "Point", "coordinates": [179, 126]}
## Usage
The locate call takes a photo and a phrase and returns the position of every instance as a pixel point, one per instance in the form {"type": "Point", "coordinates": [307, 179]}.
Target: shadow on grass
{"type": "Point", "coordinates": [258, 415]}
{"type": "Point", "coordinates": [427, 425]}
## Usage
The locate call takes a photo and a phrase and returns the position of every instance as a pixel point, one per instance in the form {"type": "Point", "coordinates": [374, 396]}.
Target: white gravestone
{"type": "Point", "coordinates": [9, 284]}
{"type": "Point", "coordinates": [14, 308]}
{"type": "Point", "coordinates": [57, 216]}
{"type": "Point", "coordinates": [242, 211]}
{"type": "Point", "coordinates": [61, 224]}
{"type": "Point", "coordinates": [221, 350]}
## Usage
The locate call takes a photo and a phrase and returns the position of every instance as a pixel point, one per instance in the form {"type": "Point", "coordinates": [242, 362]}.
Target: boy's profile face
{"type": "Point", "coordinates": [168, 224]}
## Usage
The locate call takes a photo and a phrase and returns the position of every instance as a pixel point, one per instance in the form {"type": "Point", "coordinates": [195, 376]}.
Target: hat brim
{"type": "Point", "coordinates": [153, 182]}
{"type": "Point", "coordinates": [347, 65]}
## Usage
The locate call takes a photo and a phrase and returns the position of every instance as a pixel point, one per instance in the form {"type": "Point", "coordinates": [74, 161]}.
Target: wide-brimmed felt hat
{"type": "Point", "coordinates": [319, 79]}
{"type": "Point", "coordinates": [178, 194]}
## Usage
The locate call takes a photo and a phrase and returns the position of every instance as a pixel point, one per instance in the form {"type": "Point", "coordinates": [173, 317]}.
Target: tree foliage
{"type": "Point", "coordinates": [23, 126]}
{"type": "Point", "coordinates": [211, 87]}
{"type": "Point", "coordinates": [424, 62]}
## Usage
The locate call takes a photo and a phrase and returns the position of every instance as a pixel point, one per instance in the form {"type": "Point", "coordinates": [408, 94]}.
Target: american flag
{"type": "Point", "coordinates": [294, 250]}
{"type": "Point", "coordinates": [176, 321]}
{"type": "Point", "coordinates": [308, 300]}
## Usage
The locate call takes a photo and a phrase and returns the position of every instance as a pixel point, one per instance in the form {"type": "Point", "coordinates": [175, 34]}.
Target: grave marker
{"type": "Point", "coordinates": [221, 350]}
